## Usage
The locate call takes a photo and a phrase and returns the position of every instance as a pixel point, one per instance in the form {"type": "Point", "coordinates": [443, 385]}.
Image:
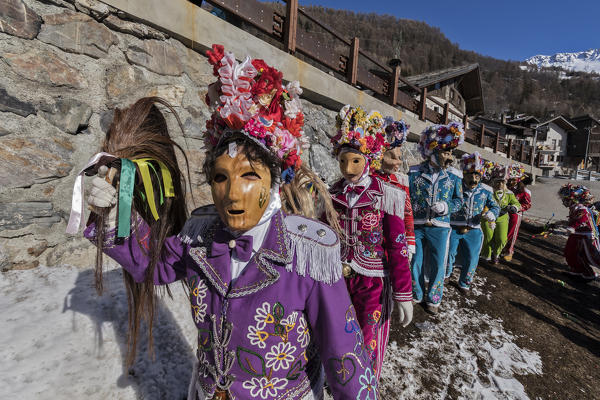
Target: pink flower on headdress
{"type": "Point", "coordinates": [285, 141]}
{"type": "Point", "coordinates": [255, 128]}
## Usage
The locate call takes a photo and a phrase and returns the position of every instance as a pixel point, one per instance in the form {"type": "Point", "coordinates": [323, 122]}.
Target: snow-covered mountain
{"type": "Point", "coordinates": [586, 61]}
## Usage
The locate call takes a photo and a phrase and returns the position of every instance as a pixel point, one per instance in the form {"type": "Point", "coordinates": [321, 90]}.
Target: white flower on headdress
{"type": "Point", "coordinates": [292, 107]}
{"type": "Point", "coordinates": [294, 89]}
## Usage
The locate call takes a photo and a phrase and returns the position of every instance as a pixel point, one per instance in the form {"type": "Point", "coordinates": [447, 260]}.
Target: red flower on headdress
{"type": "Point", "coordinates": [215, 56]}
{"type": "Point", "coordinates": [268, 80]}
{"type": "Point", "coordinates": [294, 125]}
{"type": "Point", "coordinates": [260, 65]}
{"type": "Point", "coordinates": [292, 159]}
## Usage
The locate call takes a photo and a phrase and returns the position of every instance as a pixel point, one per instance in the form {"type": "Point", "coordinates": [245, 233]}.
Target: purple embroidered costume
{"type": "Point", "coordinates": [375, 249]}
{"type": "Point", "coordinates": [265, 334]}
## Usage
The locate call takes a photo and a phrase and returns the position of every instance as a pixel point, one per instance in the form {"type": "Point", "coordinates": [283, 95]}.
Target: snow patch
{"type": "Point", "coordinates": [61, 340]}
{"type": "Point", "coordinates": [585, 61]}
{"type": "Point", "coordinates": [460, 353]}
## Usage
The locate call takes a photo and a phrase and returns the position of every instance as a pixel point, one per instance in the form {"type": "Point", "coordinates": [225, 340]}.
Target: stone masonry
{"type": "Point", "coordinates": [64, 66]}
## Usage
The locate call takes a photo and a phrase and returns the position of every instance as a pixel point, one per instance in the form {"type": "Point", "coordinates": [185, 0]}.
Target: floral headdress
{"type": "Point", "coordinates": [249, 97]}
{"type": "Point", "coordinates": [577, 193]}
{"type": "Point", "coordinates": [472, 163]}
{"type": "Point", "coordinates": [396, 132]}
{"type": "Point", "coordinates": [516, 171]}
{"type": "Point", "coordinates": [362, 132]}
{"type": "Point", "coordinates": [441, 137]}
{"type": "Point", "coordinates": [499, 172]}
{"type": "Point", "coordinates": [488, 167]}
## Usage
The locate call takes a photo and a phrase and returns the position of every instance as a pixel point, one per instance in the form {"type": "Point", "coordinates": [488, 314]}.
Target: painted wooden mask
{"type": "Point", "coordinates": [240, 190]}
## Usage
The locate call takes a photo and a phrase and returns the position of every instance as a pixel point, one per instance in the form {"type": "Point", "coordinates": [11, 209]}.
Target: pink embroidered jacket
{"type": "Point", "coordinates": [374, 242]}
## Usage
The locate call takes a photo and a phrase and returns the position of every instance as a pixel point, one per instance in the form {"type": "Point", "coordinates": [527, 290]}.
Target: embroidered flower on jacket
{"type": "Point", "coordinates": [257, 337]}
{"type": "Point", "coordinates": [263, 316]}
{"type": "Point", "coordinates": [280, 356]}
{"type": "Point", "coordinates": [264, 387]}
{"type": "Point", "coordinates": [400, 238]}
{"type": "Point", "coordinates": [368, 384]}
{"type": "Point", "coordinates": [303, 332]}
{"type": "Point", "coordinates": [375, 237]}
{"type": "Point", "coordinates": [198, 293]}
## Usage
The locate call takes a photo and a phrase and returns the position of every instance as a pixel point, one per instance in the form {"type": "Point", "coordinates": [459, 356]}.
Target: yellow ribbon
{"type": "Point", "coordinates": [143, 164]}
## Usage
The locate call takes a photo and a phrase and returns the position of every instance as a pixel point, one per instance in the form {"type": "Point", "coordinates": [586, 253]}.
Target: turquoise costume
{"type": "Point", "coordinates": [466, 238]}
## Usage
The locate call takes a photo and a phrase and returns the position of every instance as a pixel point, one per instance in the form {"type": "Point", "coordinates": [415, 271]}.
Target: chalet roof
{"type": "Point", "coordinates": [510, 128]}
{"type": "Point", "coordinates": [523, 119]}
{"type": "Point", "coordinates": [583, 118]}
{"type": "Point", "coordinates": [562, 122]}
{"type": "Point", "coordinates": [468, 81]}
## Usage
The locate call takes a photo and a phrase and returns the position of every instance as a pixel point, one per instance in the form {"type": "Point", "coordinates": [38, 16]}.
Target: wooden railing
{"type": "Point", "coordinates": [347, 61]}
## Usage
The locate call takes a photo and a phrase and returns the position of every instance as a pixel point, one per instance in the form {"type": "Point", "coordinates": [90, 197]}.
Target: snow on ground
{"type": "Point", "coordinates": [460, 353]}
{"type": "Point", "coordinates": [59, 339]}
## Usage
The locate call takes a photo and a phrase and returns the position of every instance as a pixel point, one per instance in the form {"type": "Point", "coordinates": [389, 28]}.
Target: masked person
{"type": "Point", "coordinates": [266, 291]}
{"type": "Point", "coordinates": [517, 181]}
{"type": "Point", "coordinates": [479, 205]}
{"type": "Point", "coordinates": [396, 133]}
{"type": "Point", "coordinates": [374, 249]}
{"type": "Point", "coordinates": [495, 233]}
{"type": "Point", "coordinates": [435, 193]}
{"type": "Point", "coordinates": [582, 250]}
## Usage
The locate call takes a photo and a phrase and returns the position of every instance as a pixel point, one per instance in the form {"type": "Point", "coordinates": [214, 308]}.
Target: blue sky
{"type": "Point", "coordinates": [505, 29]}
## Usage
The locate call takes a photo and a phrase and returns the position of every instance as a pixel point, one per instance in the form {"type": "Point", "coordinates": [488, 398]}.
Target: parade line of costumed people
{"type": "Point", "coordinates": [285, 304]}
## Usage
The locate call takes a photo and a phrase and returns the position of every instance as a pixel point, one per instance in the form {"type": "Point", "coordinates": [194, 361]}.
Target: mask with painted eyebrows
{"type": "Point", "coordinates": [352, 166]}
{"type": "Point", "coordinates": [240, 190]}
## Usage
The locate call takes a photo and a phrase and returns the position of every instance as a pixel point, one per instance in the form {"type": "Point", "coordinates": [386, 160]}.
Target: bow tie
{"type": "Point", "coordinates": [224, 242]}
{"type": "Point", "coordinates": [353, 188]}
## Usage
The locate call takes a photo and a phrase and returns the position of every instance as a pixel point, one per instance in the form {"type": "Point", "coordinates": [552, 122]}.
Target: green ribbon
{"type": "Point", "coordinates": [126, 185]}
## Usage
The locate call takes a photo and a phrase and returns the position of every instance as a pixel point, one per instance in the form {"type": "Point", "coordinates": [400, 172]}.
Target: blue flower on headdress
{"type": "Point", "coordinates": [287, 176]}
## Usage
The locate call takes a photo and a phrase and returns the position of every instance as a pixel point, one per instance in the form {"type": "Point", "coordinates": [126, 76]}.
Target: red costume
{"type": "Point", "coordinates": [514, 222]}
{"type": "Point", "coordinates": [401, 181]}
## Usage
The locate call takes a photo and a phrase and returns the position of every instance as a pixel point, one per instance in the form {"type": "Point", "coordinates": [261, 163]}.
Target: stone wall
{"type": "Point", "coordinates": [64, 66]}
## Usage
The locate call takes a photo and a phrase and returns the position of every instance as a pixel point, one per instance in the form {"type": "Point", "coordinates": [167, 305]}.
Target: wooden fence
{"type": "Point", "coordinates": [346, 60]}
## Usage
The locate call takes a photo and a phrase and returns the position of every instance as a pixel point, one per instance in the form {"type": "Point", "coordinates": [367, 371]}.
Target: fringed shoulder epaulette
{"type": "Point", "coordinates": [487, 187]}
{"type": "Point", "coordinates": [317, 249]}
{"type": "Point", "coordinates": [198, 224]}
{"type": "Point", "coordinates": [393, 200]}
{"type": "Point", "coordinates": [455, 171]}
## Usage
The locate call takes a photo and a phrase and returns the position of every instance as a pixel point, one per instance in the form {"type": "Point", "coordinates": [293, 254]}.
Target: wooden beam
{"type": "Point", "coordinates": [497, 146]}
{"type": "Point", "coordinates": [446, 111]}
{"type": "Point", "coordinates": [510, 144]}
{"type": "Point", "coordinates": [291, 26]}
{"type": "Point", "coordinates": [522, 155]}
{"type": "Point", "coordinates": [466, 122]}
{"type": "Point", "coordinates": [353, 59]}
{"type": "Point", "coordinates": [482, 137]}
{"type": "Point", "coordinates": [423, 104]}
{"type": "Point", "coordinates": [394, 85]}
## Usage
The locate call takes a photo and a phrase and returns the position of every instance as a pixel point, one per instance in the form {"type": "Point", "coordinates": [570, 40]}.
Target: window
{"type": "Point", "coordinates": [554, 144]}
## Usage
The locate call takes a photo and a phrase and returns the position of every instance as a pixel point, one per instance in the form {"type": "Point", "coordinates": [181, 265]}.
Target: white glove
{"type": "Point", "coordinates": [489, 216]}
{"type": "Point", "coordinates": [406, 312]}
{"type": "Point", "coordinates": [513, 209]}
{"type": "Point", "coordinates": [570, 229]}
{"type": "Point", "coordinates": [440, 208]}
{"type": "Point", "coordinates": [104, 196]}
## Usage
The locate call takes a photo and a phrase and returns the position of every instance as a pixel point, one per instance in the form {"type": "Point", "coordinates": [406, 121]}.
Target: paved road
{"type": "Point", "coordinates": [545, 199]}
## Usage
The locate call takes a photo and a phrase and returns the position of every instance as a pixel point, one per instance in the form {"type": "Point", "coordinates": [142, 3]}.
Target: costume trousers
{"type": "Point", "coordinates": [494, 240]}
{"type": "Point", "coordinates": [467, 246]}
{"type": "Point", "coordinates": [436, 240]}
{"type": "Point", "coordinates": [581, 254]}
{"type": "Point", "coordinates": [514, 223]}
{"type": "Point", "coordinates": [372, 301]}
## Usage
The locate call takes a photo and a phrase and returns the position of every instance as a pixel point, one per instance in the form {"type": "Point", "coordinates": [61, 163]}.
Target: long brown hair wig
{"type": "Point", "coordinates": [136, 132]}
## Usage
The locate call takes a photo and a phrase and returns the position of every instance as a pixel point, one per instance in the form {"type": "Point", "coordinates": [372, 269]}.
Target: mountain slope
{"type": "Point", "coordinates": [423, 48]}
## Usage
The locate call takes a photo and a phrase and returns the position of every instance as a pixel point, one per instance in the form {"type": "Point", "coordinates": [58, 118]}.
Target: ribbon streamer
{"type": "Point", "coordinates": [142, 164]}
{"type": "Point", "coordinates": [126, 185]}
{"type": "Point", "coordinates": [75, 218]}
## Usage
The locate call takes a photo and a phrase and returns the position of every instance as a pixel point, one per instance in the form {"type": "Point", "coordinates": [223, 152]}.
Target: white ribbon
{"type": "Point", "coordinates": [75, 219]}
